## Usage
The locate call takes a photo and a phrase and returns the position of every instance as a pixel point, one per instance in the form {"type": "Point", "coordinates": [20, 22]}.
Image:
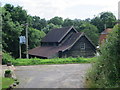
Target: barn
{"type": "Point", "coordinates": [64, 42]}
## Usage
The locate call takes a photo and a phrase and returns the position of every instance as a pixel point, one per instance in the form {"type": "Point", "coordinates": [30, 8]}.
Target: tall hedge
{"type": "Point", "coordinates": [106, 72]}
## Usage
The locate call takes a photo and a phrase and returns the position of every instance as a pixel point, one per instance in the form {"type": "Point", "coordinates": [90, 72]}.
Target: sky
{"type": "Point", "coordinates": [73, 9]}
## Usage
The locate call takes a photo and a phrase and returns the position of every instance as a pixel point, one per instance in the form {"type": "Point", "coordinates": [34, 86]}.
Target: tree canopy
{"type": "Point", "coordinates": [13, 19]}
{"type": "Point", "coordinates": [104, 20]}
{"type": "Point", "coordinates": [56, 20]}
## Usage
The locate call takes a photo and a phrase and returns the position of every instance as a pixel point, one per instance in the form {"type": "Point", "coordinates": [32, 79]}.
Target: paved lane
{"type": "Point", "coordinates": [52, 76]}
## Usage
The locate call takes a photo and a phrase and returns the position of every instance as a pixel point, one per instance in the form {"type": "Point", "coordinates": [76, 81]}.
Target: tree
{"type": "Point", "coordinates": [12, 21]}
{"type": "Point", "coordinates": [77, 23]}
{"type": "Point", "coordinates": [88, 20]}
{"type": "Point", "coordinates": [98, 23]}
{"type": "Point", "coordinates": [35, 37]}
{"type": "Point", "coordinates": [56, 20]}
{"type": "Point", "coordinates": [17, 13]}
{"type": "Point", "coordinates": [68, 22]}
{"type": "Point", "coordinates": [104, 18]}
{"type": "Point", "coordinates": [108, 18]}
{"type": "Point", "coordinates": [43, 23]}
{"type": "Point", "coordinates": [10, 33]}
{"type": "Point", "coordinates": [38, 23]}
{"type": "Point", "coordinates": [9, 7]}
{"type": "Point", "coordinates": [106, 71]}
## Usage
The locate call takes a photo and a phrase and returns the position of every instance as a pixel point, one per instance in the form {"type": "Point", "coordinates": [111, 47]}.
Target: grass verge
{"type": "Point", "coordinates": [6, 82]}
{"type": "Point", "coordinates": [37, 61]}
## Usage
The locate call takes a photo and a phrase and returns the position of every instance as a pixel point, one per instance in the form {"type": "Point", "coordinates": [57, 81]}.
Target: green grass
{"type": "Point", "coordinates": [6, 82]}
{"type": "Point", "coordinates": [0, 83]}
{"type": "Point", "coordinates": [37, 61]}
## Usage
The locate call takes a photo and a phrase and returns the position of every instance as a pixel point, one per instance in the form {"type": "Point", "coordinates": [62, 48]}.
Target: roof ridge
{"type": "Point", "coordinates": [56, 35]}
{"type": "Point", "coordinates": [65, 33]}
{"type": "Point", "coordinates": [81, 34]}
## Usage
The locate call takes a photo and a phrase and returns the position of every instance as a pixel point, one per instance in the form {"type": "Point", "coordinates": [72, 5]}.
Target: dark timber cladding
{"type": "Point", "coordinates": [64, 42]}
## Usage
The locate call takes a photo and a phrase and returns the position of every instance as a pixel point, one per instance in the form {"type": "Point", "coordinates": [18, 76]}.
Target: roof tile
{"type": "Point", "coordinates": [55, 35]}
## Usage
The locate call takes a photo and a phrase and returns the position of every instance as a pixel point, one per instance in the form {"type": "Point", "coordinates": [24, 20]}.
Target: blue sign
{"type": "Point", "coordinates": [22, 39]}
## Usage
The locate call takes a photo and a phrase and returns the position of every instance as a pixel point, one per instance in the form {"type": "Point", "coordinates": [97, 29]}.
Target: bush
{"type": "Point", "coordinates": [6, 57]}
{"type": "Point", "coordinates": [8, 72]}
{"type": "Point", "coordinates": [17, 82]}
{"type": "Point", "coordinates": [106, 72]}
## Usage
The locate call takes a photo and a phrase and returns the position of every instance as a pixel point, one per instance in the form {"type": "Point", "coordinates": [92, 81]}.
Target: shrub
{"type": "Point", "coordinates": [6, 57]}
{"type": "Point", "coordinates": [17, 82]}
{"type": "Point", "coordinates": [106, 72]}
{"type": "Point", "coordinates": [15, 79]}
{"type": "Point", "coordinates": [8, 72]}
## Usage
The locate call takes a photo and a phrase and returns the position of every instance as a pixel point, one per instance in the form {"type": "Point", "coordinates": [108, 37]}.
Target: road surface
{"type": "Point", "coordinates": [52, 76]}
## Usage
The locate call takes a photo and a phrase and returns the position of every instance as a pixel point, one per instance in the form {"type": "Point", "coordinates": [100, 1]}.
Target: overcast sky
{"type": "Point", "coordinates": [80, 9]}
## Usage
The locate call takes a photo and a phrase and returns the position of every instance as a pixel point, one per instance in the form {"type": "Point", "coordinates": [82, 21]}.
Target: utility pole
{"type": "Point", "coordinates": [27, 56]}
{"type": "Point", "coordinates": [20, 49]}
{"type": "Point", "coordinates": [105, 26]}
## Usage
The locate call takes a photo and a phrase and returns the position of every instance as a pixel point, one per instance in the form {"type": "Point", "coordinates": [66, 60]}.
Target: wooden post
{"type": "Point", "coordinates": [20, 50]}
{"type": "Point", "coordinates": [27, 56]}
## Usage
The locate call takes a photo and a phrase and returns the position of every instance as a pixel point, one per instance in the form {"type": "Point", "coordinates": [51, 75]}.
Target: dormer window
{"type": "Point", "coordinates": [82, 45]}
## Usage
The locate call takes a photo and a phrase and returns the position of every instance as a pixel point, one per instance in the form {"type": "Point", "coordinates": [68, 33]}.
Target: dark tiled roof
{"type": "Point", "coordinates": [49, 51]}
{"type": "Point", "coordinates": [55, 35]}
{"type": "Point", "coordinates": [70, 42]}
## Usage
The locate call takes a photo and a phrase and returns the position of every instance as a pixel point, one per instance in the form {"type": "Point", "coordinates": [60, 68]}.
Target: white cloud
{"type": "Point", "coordinates": [66, 8]}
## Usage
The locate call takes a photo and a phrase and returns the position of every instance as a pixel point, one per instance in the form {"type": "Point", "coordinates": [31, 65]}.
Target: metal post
{"type": "Point", "coordinates": [27, 56]}
{"type": "Point", "coordinates": [20, 49]}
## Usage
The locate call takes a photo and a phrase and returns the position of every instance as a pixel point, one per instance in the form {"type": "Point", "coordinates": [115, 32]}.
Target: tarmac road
{"type": "Point", "coordinates": [52, 76]}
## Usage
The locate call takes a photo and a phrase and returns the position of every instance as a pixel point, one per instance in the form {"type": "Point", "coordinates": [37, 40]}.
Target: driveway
{"type": "Point", "coordinates": [52, 76]}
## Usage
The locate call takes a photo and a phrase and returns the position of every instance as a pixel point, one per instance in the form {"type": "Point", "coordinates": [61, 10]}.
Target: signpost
{"type": "Point", "coordinates": [24, 40]}
{"type": "Point", "coordinates": [21, 41]}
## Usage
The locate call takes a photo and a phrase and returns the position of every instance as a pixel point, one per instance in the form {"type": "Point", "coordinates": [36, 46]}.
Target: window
{"type": "Point", "coordinates": [82, 45]}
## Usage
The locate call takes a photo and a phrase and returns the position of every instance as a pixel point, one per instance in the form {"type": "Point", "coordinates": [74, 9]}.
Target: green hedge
{"type": "Point", "coordinates": [37, 61]}
{"type": "Point", "coordinates": [105, 73]}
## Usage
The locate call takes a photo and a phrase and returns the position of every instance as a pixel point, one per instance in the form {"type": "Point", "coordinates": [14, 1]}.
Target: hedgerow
{"type": "Point", "coordinates": [105, 73]}
{"type": "Point", "coordinates": [37, 61]}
